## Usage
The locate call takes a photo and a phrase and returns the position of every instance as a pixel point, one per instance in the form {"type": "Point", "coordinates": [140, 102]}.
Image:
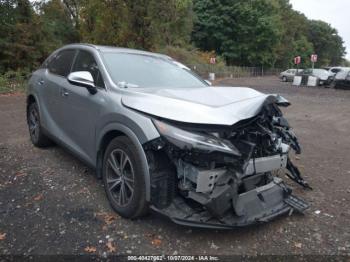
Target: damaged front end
{"type": "Point", "coordinates": [224, 176]}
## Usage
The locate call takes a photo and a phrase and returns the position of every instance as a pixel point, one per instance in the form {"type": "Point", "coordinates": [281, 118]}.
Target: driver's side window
{"type": "Point", "coordinates": [86, 62]}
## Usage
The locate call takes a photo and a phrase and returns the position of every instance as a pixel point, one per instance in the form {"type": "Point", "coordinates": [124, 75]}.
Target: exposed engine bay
{"type": "Point", "coordinates": [224, 176]}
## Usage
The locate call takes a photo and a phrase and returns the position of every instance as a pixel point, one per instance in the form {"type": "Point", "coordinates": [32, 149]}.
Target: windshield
{"type": "Point", "coordinates": [135, 70]}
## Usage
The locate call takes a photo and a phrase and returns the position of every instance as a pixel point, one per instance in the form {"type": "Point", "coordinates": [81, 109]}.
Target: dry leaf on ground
{"type": "Point", "coordinates": [156, 242]}
{"type": "Point", "coordinates": [107, 217]}
{"type": "Point", "coordinates": [111, 247]}
{"type": "Point", "coordinates": [38, 197]}
{"type": "Point", "coordinates": [90, 249]}
{"type": "Point", "coordinates": [297, 245]}
{"type": "Point", "coordinates": [2, 236]}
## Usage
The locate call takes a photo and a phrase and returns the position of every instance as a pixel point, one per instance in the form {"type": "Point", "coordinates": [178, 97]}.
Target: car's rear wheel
{"type": "Point", "coordinates": [37, 136]}
{"type": "Point", "coordinates": [123, 178]}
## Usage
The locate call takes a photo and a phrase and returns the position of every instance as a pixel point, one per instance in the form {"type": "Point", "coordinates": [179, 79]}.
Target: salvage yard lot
{"type": "Point", "coordinates": [51, 203]}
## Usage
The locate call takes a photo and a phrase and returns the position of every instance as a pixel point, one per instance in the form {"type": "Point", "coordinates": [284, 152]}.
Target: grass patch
{"type": "Point", "coordinates": [13, 82]}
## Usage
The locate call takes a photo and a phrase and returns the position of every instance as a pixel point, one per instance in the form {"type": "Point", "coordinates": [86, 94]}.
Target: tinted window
{"type": "Point", "coordinates": [149, 71]}
{"type": "Point", "coordinates": [86, 62]}
{"type": "Point", "coordinates": [62, 63]}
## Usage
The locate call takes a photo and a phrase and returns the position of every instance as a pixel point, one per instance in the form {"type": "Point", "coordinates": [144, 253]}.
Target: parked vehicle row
{"type": "Point", "coordinates": [337, 77]}
{"type": "Point", "coordinates": [323, 76]}
{"type": "Point", "coordinates": [342, 79]}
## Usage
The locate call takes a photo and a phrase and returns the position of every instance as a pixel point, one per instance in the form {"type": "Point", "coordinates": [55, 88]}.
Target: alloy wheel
{"type": "Point", "coordinates": [120, 177]}
{"type": "Point", "coordinates": [34, 124]}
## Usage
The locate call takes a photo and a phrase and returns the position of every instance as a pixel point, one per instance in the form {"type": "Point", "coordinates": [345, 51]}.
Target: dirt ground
{"type": "Point", "coordinates": [51, 203]}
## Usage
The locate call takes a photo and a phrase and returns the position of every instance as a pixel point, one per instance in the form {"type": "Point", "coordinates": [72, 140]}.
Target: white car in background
{"type": "Point", "coordinates": [323, 76]}
{"type": "Point", "coordinates": [334, 70]}
{"type": "Point", "coordinates": [288, 75]}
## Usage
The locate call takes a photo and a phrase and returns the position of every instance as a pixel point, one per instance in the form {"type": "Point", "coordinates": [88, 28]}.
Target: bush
{"type": "Point", "coordinates": [13, 81]}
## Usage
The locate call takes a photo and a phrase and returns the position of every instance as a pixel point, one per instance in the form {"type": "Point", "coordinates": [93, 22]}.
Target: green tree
{"type": "Point", "coordinates": [8, 18]}
{"type": "Point", "coordinates": [265, 33]}
{"type": "Point", "coordinates": [19, 29]}
{"type": "Point", "coordinates": [170, 22]}
{"type": "Point", "coordinates": [294, 41]}
{"type": "Point", "coordinates": [104, 22]}
{"type": "Point", "coordinates": [346, 63]}
{"type": "Point", "coordinates": [329, 46]}
{"type": "Point", "coordinates": [244, 32]}
{"type": "Point", "coordinates": [145, 24]}
{"type": "Point", "coordinates": [56, 27]}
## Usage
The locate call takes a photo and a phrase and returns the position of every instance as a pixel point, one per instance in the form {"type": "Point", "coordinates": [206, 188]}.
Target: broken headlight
{"type": "Point", "coordinates": [189, 140]}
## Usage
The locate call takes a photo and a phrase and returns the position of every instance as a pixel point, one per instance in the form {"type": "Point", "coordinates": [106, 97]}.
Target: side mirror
{"type": "Point", "coordinates": [208, 82]}
{"type": "Point", "coordinates": [84, 79]}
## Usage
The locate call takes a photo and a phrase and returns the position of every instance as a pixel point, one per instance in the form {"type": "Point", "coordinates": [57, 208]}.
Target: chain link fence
{"type": "Point", "coordinates": [233, 71]}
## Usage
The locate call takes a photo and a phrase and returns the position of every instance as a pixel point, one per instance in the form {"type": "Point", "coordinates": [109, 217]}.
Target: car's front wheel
{"type": "Point", "coordinates": [284, 79]}
{"type": "Point", "coordinates": [123, 178]}
{"type": "Point", "coordinates": [37, 136]}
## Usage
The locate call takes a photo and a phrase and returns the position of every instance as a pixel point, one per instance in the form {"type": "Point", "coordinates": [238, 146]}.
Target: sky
{"type": "Point", "coordinates": [334, 12]}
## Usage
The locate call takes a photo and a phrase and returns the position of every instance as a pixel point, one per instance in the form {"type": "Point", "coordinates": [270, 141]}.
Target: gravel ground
{"type": "Point", "coordinates": [51, 203]}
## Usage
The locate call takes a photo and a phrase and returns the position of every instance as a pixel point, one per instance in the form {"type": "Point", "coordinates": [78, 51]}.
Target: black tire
{"type": "Point", "coordinates": [37, 136]}
{"type": "Point", "coordinates": [284, 79]}
{"type": "Point", "coordinates": [127, 203]}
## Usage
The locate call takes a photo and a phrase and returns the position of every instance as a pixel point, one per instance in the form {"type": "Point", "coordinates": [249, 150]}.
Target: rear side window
{"type": "Point", "coordinates": [86, 62]}
{"type": "Point", "coordinates": [62, 63]}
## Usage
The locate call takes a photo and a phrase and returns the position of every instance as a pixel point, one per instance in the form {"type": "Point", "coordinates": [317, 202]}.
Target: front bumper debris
{"type": "Point", "coordinates": [205, 186]}
{"type": "Point", "coordinates": [253, 207]}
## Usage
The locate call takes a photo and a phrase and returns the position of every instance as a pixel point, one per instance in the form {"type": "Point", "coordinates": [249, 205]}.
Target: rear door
{"type": "Point", "coordinates": [54, 78]}
{"type": "Point", "coordinates": [80, 110]}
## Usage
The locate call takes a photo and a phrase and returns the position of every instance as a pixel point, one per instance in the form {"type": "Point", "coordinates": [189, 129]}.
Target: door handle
{"type": "Point", "coordinates": [41, 82]}
{"type": "Point", "coordinates": [64, 92]}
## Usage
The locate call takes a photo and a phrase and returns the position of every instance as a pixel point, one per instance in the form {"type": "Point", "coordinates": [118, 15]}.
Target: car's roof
{"type": "Point", "coordinates": [113, 49]}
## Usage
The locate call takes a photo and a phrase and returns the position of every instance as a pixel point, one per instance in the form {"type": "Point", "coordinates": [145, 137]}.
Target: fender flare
{"type": "Point", "coordinates": [131, 135]}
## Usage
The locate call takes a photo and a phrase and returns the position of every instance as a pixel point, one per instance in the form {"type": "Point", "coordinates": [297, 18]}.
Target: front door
{"type": "Point", "coordinates": [50, 87]}
{"type": "Point", "coordinates": [81, 110]}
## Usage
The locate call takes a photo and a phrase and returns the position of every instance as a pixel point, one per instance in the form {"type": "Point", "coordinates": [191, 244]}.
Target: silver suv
{"type": "Point", "coordinates": [162, 138]}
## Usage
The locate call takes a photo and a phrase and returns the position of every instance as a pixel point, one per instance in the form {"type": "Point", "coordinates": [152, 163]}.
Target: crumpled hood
{"type": "Point", "coordinates": [202, 105]}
